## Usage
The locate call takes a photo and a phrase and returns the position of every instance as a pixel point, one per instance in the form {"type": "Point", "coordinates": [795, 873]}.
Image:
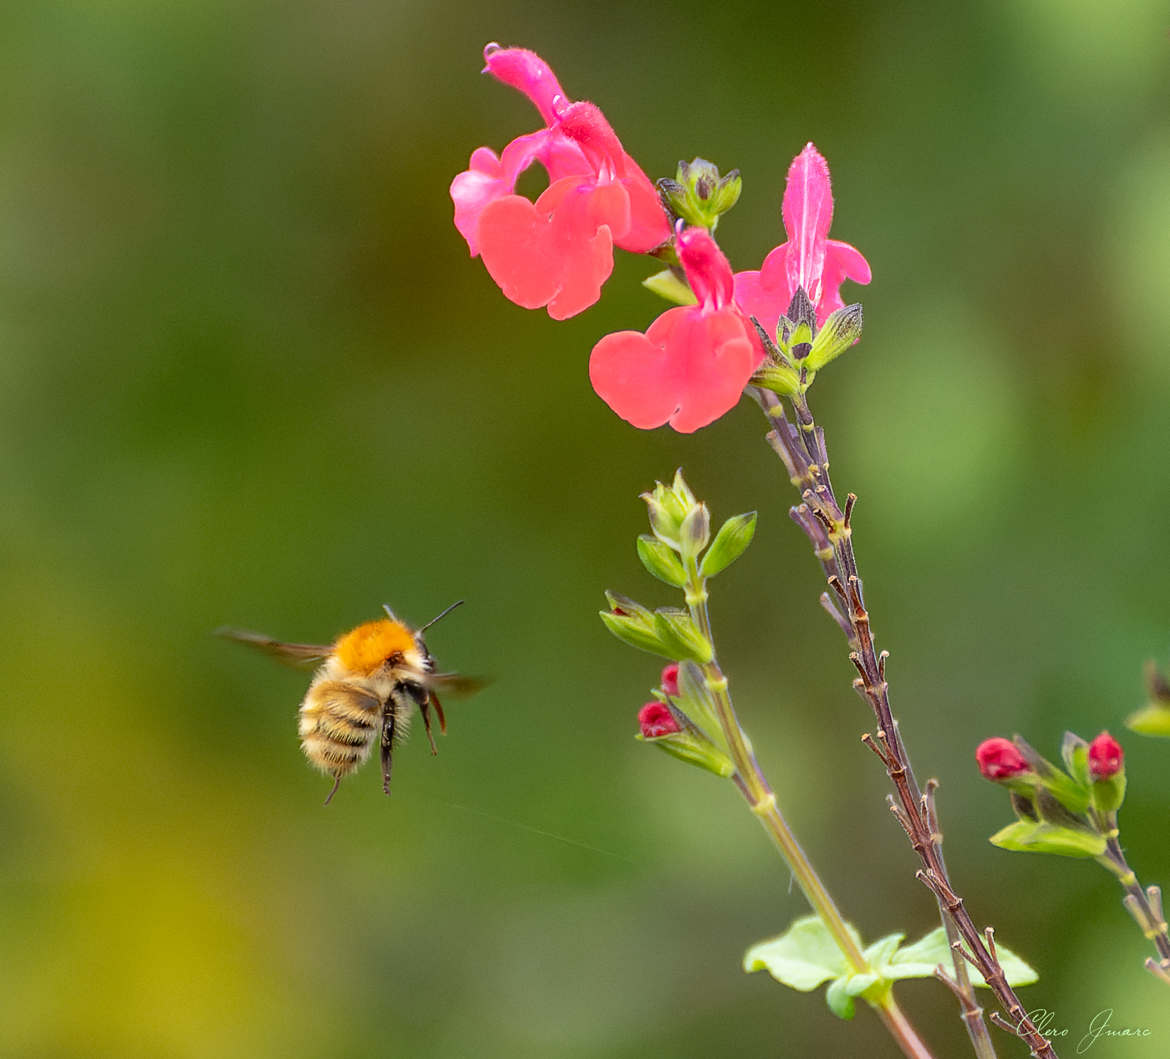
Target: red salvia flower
{"type": "Point", "coordinates": [691, 365]}
{"type": "Point", "coordinates": [558, 250]}
{"type": "Point", "coordinates": [809, 259]}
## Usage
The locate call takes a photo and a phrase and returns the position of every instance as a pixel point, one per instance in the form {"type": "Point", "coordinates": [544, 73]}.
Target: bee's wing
{"type": "Point", "coordinates": [456, 683]}
{"type": "Point", "coordinates": [297, 654]}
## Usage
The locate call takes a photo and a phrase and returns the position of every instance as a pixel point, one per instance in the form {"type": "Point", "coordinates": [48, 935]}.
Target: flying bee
{"type": "Point", "coordinates": [369, 683]}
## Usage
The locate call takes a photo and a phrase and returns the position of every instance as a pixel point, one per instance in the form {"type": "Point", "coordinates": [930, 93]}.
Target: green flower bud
{"type": "Point", "coordinates": [699, 195]}
{"type": "Point", "coordinates": [633, 624]}
{"type": "Point", "coordinates": [680, 636]}
{"type": "Point", "coordinates": [668, 507]}
{"type": "Point", "coordinates": [659, 726]}
{"type": "Point", "coordinates": [695, 532]}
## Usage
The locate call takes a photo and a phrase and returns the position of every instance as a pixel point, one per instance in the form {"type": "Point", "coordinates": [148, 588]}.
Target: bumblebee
{"type": "Point", "coordinates": [370, 681]}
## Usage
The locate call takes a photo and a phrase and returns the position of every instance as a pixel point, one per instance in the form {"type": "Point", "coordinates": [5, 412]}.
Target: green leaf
{"type": "Point", "coordinates": [1026, 837]}
{"type": "Point", "coordinates": [802, 957]}
{"type": "Point", "coordinates": [661, 561]}
{"type": "Point", "coordinates": [1150, 720]}
{"type": "Point", "coordinates": [729, 544]}
{"type": "Point", "coordinates": [679, 637]}
{"type": "Point", "coordinates": [882, 951]}
{"type": "Point", "coordinates": [920, 959]}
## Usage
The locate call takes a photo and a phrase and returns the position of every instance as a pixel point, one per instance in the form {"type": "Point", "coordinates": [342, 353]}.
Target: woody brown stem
{"type": "Point", "coordinates": [830, 530]}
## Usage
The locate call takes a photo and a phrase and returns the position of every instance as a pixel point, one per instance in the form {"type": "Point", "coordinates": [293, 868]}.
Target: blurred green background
{"type": "Point", "coordinates": [250, 376]}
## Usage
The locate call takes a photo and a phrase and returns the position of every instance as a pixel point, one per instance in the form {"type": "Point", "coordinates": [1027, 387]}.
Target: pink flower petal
{"type": "Point", "coordinates": [689, 369]}
{"type": "Point", "coordinates": [528, 72]}
{"type": "Point", "coordinates": [807, 211]}
{"type": "Point", "coordinates": [649, 227]}
{"type": "Point", "coordinates": [765, 294]}
{"type": "Point", "coordinates": [556, 252]}
{"type": "Point", "coordinates": [707, 270]}
{"type": "Point", "coordinates": [488, 178]}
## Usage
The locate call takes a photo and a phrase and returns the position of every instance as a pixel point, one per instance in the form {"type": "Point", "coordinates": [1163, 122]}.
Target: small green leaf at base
{"type": "Point", "coordinates": [806, 956]}
{"type": "Point", "coordinates": [802, 958]}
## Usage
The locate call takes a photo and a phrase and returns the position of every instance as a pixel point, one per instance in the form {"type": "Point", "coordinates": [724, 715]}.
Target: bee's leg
{"type": "Point", "coordinates": [336, 784]}
{"type": "Point", "coordinates": [387, 744]}
{"type": "Point", "coordinates": [439, 710]}
{"type": "Point", "coordinates": [424, 707]}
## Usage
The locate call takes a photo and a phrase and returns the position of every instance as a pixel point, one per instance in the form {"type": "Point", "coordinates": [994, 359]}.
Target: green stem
{"type": "Point", "coordinates": [750, 780]}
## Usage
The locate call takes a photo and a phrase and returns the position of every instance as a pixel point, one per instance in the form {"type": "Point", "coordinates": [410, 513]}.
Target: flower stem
{"type": "Point", "coordinates": [1145, 905]}
{"type": "Point", "coordinates": [801, 446]}
{"type": "Point", "coordinates": [753, 785]}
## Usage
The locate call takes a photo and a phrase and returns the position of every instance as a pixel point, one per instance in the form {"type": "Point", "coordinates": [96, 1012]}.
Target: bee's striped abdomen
{"type": "Point", "coordinates": [339, 724]}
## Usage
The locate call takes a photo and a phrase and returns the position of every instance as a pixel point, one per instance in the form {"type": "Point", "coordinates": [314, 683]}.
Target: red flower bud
{"type": "Point", "coordinates": [1105, 757]}
{"type": "Point", "coordinates": [655, 719]}
{"type": "Point", "coordinates": [1000, 759]}
{"type": "Point", "coordinates": [670, 680]}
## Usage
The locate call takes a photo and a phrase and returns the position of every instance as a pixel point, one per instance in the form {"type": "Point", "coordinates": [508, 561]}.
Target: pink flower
{"type": "Point", "coordinates": [693, 362]}
{"type": "Point", "coordinates": [1000, 759]}
{"type": "Point", "coordinates": [557, 251]}
{"type": "Point", "coordinates": [655, 719]}
{"type": "Point", "coordinates": [1105, 757]}
{"type": "Point", "coordinates": [809, 259]}
{"type": "Point", "coordinates": [669, 680]}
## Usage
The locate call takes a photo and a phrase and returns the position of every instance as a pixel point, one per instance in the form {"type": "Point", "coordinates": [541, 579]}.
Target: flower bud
{"type": "Point", "coordinates": [669, 680]}
{"type": "Point", "coordinates": [656, 720]}
{"type": "Point", "coordinates": [659, 724]}
{"type": "Point", "coordinates": [668, 507]}
{"type": "Point", "coordinates": [700, 195]}
{"type": "Point", "coordinates": [1000, 759]}
{"type": "Point", "coordinates": [1107, 769]}
{"type": "Point", "coordinates": [1105, 757]}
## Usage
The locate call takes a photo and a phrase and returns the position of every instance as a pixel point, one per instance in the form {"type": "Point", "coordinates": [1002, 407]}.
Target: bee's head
{"type": "Point", "coordinates": [376, 644]}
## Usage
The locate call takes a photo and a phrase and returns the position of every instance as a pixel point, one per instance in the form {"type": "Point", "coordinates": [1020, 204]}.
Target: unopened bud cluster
{"type": "Point", "coordinates": [1070, 811]}
{"type": "Point", "coordinates": [681, 551]}
{"type": "Point", "coordinates": [699, 195]}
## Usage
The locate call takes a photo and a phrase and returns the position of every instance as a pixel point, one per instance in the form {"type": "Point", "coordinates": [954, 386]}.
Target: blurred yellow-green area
{"type": "Point", "coordinates": [250, 376]}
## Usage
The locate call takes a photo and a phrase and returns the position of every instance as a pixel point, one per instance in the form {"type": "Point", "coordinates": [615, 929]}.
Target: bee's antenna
{"type": "Point", "coordinates": [441, 614]}
{"type": "Point", "coordinates": [389, 613]}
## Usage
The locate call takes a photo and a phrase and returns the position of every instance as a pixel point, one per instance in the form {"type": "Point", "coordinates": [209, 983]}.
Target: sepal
{"type": "Point", "coordinates": [667, 284]}
{"type": "Point", "coordinates": [661, 561]}
{"type": "Point", "coordinates": [840, 331]}
{"type": "Point", "coordinates": [729, 544]}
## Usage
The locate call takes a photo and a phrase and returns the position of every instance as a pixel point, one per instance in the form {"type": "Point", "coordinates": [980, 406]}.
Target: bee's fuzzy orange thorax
{"type": "Point", "coordinates": [365, 648]}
